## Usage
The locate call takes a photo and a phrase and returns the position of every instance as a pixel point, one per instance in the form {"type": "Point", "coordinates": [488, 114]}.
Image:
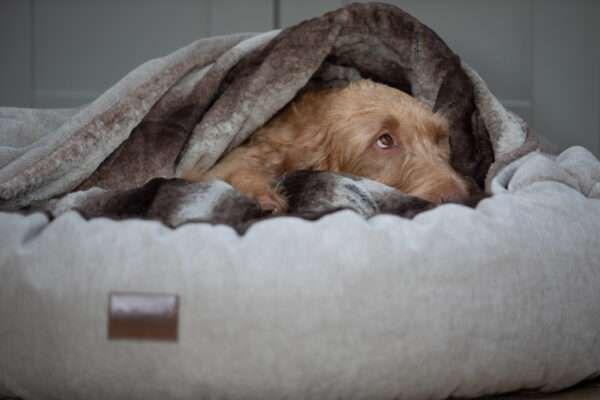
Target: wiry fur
{"type": "Point", "coordinates": [337, 130]}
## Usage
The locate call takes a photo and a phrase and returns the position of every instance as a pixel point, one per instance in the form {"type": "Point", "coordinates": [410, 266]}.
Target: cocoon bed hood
{"type": "Point", "coordinates": [189, 108]}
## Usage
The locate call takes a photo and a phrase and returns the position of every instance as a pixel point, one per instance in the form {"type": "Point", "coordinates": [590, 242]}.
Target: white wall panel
{"type": "Point", "coordinates": [15, 53]}
{"type": "Point", "coordinates": [293, 11]}
{"type": "Point", "coordinates": [494, 37]}
{"type": "Point", "coordinates": [540, 57]}
{"type": "Point", "coordinates": [592, 46]}
{"type": "Point", "coordinates": [230, 16]}
{"type": "Point", "coordinates": [566, 72]}
{"type": "Point", "coordinates": [82, 47]}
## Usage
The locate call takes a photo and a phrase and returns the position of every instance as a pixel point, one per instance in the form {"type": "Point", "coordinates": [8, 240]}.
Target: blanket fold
{"type": "Point", "coordinates": [189, 108]}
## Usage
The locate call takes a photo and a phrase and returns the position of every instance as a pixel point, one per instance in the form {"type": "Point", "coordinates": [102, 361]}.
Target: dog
{"type": "Point", "coordinates": [365, 129]}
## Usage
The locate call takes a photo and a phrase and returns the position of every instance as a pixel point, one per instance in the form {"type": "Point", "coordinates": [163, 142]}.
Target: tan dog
{"type": "Point", "coordinates": [365, 129]}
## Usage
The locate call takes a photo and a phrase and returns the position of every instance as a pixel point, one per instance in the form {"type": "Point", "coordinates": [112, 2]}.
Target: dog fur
{"type": "Point", "coordinates": [365, 129]}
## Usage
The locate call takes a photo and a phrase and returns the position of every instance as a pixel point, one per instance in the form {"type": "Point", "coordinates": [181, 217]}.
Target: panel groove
{"type": "Point", "coordinates": [32, 77]}
{"type": "Point", "coordinates": [562, 74]}
{"type": "Point", "coordinates": [532, 118]}
{"type": "Point", "coordinates": [15, 53]}
{"type": "Point", "coordinates": [276, 14]}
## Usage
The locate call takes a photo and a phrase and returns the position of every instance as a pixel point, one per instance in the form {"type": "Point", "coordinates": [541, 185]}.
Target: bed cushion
{"type": "Point", "coordinates": [456, 302]}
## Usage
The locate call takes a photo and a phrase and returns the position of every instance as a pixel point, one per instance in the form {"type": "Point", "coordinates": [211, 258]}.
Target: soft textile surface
{"type": "Point", "coordinates": [311, 195]}
{"type": "Point", "coordinates": [457, 301]}
{"type": "Point", "coordinates": [190, 107]}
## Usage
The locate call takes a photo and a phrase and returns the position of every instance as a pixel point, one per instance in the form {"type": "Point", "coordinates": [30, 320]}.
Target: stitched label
{"type": "Point", "coordinates": [148, 316]}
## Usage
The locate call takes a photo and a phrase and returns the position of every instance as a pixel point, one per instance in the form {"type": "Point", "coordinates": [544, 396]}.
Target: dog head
{"type": "Point", "coordinates": [375, 131]}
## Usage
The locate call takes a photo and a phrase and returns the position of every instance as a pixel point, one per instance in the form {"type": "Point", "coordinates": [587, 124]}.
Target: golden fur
{"type": "Point", "coordinates": [346, 130]}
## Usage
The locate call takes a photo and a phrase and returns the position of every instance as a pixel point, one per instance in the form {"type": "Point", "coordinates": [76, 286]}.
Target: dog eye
{"type": "Point", "coordinates": [385, 141]}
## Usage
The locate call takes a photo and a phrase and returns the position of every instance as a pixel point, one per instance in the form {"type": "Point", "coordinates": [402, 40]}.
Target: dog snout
{"type": "Point", "coordinates": [448, 191]}
{"type": "Point", "coordinates": [456, 194]}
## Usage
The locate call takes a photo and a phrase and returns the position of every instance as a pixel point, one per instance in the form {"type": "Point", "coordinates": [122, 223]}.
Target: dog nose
{"type": "Point", "coordinates": [454, 194]}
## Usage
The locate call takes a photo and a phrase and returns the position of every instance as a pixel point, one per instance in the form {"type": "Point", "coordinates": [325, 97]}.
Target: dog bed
{"type": "Point", "coordinates": [456, 302]}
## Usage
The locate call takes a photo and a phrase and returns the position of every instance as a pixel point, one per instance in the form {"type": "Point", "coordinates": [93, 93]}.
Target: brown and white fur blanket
{"type": "Point", "coordinates": [121, 155]}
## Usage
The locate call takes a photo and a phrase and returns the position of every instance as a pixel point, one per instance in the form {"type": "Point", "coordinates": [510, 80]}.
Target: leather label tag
{"type": "Point", "coordinates": [148, 316]}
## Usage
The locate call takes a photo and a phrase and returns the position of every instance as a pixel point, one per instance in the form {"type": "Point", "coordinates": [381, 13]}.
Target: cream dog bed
{"type": "Point", "coordinates": [458, 301]}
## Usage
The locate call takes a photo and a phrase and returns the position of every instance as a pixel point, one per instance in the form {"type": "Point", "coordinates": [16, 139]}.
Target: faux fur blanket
{"type": "Point", "coordinates": [120, 156]}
